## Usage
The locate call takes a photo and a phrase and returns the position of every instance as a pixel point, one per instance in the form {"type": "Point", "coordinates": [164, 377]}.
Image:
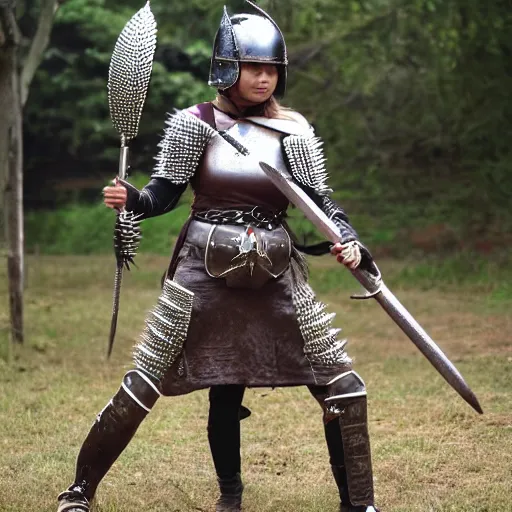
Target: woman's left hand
{"type": "Point", "coordinates": [349, 254]}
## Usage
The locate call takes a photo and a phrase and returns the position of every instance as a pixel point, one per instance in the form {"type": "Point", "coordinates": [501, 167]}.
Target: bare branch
{"type": "Point", "coordinates": [9, 32]}
{"type": "Point", "coordinates": [9, 43]}
{"type": "Point", "coordinates": [38, 46]}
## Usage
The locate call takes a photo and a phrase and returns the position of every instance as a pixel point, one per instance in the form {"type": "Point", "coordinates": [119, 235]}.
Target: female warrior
{"type": "Point", "coordinates": [236, 309]}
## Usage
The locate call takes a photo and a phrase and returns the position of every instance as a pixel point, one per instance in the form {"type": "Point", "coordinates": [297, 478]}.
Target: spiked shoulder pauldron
{"type": "Point", "coordinates": [185, 139]}
{"type": "Point", "coordinates": [306, 162]}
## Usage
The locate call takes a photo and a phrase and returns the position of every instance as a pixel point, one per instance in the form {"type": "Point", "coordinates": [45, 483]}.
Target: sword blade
{"type": "Point", "coordinates": [372, 281]}
{"type": "Point", "coordinates": [115, 307]}
{"type": "Point", "coordinates": [426, 345]}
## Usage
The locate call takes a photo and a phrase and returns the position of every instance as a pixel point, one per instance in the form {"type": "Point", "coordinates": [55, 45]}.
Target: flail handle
{"type": "Point", "coordinates": [124, 153]}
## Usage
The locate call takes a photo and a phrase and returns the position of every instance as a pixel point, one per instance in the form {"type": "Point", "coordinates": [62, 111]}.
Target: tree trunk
{"type": "Point", "coordinates": [14, 214]}
{"type": "Point", "coordinates": [14, 89]}
{"type": "Point", "coordinates": [11, 166]}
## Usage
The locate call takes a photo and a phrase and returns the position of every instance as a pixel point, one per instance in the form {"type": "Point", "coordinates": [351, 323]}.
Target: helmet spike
{"type": "Point", "coordinates": [228, 46]}
{"type": "Point", "coordinates": [263, 13]}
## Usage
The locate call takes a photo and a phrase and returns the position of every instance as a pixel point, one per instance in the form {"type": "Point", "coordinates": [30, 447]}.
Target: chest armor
{"type": "Point", "coordinates": [226, 178]}
{"type": "Point", "coordinates": [245, 256]}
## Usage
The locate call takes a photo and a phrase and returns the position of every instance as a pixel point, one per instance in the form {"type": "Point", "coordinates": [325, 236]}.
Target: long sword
{"type": "Point", "coordinates": [371, 280]}
{"type": "Point", "coordinates": [128, 81]}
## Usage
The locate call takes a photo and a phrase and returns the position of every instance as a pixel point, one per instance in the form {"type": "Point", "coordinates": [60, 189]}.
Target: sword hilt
{"type": "Point", "coordinates": [371, 281]}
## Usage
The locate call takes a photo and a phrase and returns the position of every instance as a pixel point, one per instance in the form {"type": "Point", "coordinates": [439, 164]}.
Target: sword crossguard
{"type": "Point", "coordinates": [366, 296]}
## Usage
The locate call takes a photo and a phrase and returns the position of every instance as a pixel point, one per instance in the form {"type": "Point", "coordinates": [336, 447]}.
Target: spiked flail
{"type": "Point", "coordinates": [127, 237]}
{"type": "Point", "coordinates": [128, 80]}
{"type": "Point", "coordinates": [185, 138]}
{"type": "Point", "coordinates": [166, 330]}
{"type": "Point", "coordinates": [130, 71]}
{"type": "Point", "coordinates": [307, 162]}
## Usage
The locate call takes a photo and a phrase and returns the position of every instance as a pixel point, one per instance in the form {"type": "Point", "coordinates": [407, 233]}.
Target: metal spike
{"type": "Point", "coordinates": [182, 146]}
{"type": "Point", "coordinates": [130, 72]}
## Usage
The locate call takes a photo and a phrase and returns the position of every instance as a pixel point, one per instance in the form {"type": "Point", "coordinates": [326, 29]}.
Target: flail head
{"type": "Point", "coordinates": [127, 236]}
{"type": "Point", "coordinates": [130, 71]}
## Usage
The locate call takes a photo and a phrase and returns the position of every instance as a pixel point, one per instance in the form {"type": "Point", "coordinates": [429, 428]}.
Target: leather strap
{"type": "Point", "coordinates": [204, 111]}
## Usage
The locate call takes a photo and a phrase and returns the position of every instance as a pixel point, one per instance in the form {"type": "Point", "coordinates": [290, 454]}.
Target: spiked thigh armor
{"type": "Point", "coordinates": [321, 344]}
{"type": "Point", "coordinates": [165, 331]}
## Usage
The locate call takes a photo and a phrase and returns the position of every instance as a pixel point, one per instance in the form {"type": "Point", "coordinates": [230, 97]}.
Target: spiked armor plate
{"type": "Point", "coordinates": [165, 331]}
{"type": "Point", "coordinates": [185, 139]}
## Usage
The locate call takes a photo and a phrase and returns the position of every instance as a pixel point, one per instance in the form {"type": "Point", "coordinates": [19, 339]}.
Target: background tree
{"type": "Point", "coordinates": [17, 71]}
{"type": "Point", "coordinates": [410, 96]}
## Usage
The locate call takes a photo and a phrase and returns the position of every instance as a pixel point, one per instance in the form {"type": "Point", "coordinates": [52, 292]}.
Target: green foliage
{"type": "Point", "coordinates": [461, 272]}
{"type": "Point", "coordinates": [415, 117]}
{"type": "Point", "coordinates": [411, 98]}
{"type": "Point", "coordinates": [88, 228]}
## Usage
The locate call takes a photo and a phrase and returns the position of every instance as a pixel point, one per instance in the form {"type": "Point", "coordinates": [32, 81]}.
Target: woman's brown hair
{"type": "Point", "coordinates": [270, 108]}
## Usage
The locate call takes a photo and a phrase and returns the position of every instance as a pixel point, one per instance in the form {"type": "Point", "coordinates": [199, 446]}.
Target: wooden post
{"type": "Point", "coordinates": [11, 165]}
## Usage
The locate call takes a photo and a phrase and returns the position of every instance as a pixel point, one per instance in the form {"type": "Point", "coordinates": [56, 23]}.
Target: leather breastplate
{"type": "Point", "coordinates": [226, 178]}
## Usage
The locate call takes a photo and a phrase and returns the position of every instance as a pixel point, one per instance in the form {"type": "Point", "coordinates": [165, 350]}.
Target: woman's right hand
{"type": "Point", "coordinates": [115, 196]}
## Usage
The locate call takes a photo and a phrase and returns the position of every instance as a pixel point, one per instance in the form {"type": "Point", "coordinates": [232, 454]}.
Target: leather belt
{"type": "Point", "coordinates": [255, 216]}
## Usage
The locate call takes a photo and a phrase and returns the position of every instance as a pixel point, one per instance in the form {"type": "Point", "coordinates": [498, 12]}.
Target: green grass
{"type": "Point", "coordinates": [431, 451]}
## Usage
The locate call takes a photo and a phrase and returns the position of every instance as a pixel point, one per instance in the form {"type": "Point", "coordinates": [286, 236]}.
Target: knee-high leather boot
{"type": "Point", "coordinates": [346, 410]}
{"type": "Point", "coordinates": [337, 458]}
{"type": "Point", "coordinates": [346, 430]}
{"type": "Point", "coordinates": [113, 429]}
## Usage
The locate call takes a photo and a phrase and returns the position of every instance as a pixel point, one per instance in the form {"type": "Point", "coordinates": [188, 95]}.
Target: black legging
{"type": "Point", "coordinates": [224, 429]}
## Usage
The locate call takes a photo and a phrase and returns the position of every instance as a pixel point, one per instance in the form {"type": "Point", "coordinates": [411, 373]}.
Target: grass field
{"type": "Point", "coordinates": [431, 451]}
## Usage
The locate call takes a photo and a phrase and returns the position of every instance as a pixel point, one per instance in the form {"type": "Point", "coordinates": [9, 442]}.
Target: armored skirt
{"type": "Point", "coordinates": [239, 336]}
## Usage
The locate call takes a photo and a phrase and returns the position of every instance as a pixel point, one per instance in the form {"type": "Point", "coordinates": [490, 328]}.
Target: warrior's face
{"type": "Point", "coordinates": [256, 84]}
